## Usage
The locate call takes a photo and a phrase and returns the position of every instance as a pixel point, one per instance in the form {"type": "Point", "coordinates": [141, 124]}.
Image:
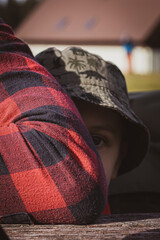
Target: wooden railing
{"type": "Point", "coordinates": [117, 227]}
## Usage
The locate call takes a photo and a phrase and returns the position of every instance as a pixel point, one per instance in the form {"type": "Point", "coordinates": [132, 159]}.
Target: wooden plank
{"type": "Point", "coordinates": [118, 227]}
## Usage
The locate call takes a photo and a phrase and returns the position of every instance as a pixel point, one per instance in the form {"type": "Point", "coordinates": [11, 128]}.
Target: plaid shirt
{"type": "Point", "coordinates": [49, 168]}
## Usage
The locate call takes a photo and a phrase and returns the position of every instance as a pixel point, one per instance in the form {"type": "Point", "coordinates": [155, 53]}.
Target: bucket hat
{"type": "Point", "coordinates": [90, 78]}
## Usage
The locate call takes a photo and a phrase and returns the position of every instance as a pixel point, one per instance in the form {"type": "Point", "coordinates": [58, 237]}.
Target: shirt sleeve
{"type": "Point", "coordinates": [49, 167]}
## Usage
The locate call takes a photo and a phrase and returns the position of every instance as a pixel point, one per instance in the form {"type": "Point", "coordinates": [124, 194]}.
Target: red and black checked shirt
{"type": "Point", "coordinates": [49, 169]}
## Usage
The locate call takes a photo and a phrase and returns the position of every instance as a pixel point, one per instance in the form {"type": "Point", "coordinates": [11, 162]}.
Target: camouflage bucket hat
{"type": "Point", "coordinates": [90, 78]}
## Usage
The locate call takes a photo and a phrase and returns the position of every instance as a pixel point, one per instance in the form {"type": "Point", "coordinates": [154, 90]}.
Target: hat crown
{"type": "Point", "coordinates": [90, 70]}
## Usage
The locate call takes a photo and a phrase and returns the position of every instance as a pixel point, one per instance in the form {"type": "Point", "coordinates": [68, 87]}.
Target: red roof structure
{"type": "Point", "coordinates": [90, 21]}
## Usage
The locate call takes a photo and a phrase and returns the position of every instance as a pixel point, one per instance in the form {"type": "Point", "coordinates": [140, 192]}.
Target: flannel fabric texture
{"type": "Point", "coordinates": [49, 168]}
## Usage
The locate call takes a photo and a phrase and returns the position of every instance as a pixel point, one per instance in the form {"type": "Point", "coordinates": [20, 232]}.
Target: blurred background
{"type": "Point", "coordinates": [126, 32]}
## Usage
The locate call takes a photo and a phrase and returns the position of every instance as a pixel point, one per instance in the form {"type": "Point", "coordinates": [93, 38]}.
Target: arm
{"type": "Point", "coordinates": [48, 165]}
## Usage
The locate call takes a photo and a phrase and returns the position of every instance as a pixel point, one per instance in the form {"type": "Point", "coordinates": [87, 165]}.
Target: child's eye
{"type": "Point", "coordinates": [98, 141]}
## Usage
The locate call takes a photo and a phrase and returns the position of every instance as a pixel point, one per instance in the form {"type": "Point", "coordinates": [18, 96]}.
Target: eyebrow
{"type": "Point", "coordinates": [107, 128]}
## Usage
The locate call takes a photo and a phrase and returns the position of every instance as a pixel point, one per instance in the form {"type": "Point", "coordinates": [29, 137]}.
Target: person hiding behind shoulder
{"type": "Point", "coordinates": [99, 91]}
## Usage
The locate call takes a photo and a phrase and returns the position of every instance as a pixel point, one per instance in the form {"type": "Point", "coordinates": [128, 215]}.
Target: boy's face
{"type": "Point", "coordinates": [106, 128]}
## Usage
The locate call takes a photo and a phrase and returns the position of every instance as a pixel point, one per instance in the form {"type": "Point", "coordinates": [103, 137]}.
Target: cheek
{"type": "Point", "coordinates": [109, 158]}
